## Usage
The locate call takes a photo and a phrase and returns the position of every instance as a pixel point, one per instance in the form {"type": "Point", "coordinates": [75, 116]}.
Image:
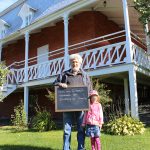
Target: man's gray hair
{"type": "Point", "coordinates": [76, 56]}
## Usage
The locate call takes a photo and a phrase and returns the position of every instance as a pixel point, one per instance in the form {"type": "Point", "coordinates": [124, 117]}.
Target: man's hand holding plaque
{"type": "Point", "coordinates": [63, 85]}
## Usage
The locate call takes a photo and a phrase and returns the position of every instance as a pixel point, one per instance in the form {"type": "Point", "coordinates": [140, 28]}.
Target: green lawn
{"type": "Point", "coordinates": [52, 140]}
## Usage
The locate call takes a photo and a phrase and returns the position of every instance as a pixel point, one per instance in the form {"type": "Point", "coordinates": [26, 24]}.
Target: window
{"type": "Point", "coordinates": [3, 33]}
{"type": "Point", "coordinates": [26, 13]}
{"type": "Point", "coordinates": [28, 19]}
{"type": "Point", "coordinates": [4, 26]}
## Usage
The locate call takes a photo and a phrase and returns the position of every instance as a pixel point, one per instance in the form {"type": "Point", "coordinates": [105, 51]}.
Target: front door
{"type": "Point", "coordinates": [42, 60]}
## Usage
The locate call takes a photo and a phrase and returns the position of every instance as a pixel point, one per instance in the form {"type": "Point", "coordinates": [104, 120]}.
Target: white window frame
{"type": "Point", "coordinates": [28, 19]}
{"type": "Point", "coordinates": [3, 28]}
{"type": "Point", "coordinates": [39, 50]}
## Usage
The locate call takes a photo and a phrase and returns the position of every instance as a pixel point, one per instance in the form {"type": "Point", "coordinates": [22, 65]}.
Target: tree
{"type": "Point", "coordinates": [3, 73]}
{"type": "Point", "coordinates": [143, 7]}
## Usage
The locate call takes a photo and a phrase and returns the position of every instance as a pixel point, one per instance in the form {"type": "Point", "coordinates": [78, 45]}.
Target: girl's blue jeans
{"type": "Point", "coordinates": [68, 118]}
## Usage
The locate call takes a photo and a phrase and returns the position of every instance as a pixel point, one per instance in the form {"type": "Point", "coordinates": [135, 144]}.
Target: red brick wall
{"type": "Point", "coordinates": [43, 102]}
{"type": "Point", "coordinates": [7, 106]}
{"type": "Point", "coordinates": [104, 26]}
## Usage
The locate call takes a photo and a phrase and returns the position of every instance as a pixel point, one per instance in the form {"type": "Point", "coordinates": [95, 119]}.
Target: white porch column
{"type": "Point", "coordinates": [26, 100]}
{"type": "Point", "coordinates": [133, 92]}
{"type": "Point", "coordinates": [26, 56]}
{"type": "Point", "coordinates": [147, 38]}
{"type": "Point", "coordinates": [66, 40]}
{"type": "Point", "coordinates": [1, 51]}
{"type": "Point", "coordinates": [126, 95]}
{"type": "Point", "coordinates": [26, 89]}
{"type": "Point", "coordinates": [127, 30]}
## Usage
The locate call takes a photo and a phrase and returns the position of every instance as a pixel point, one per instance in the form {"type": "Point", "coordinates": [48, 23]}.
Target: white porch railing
{"type": "Point", "coordinates": [37, 71]}
{"type": "Point", "coordinates": [92, 59]}
{"type": "Point", "coordinates": [140, 57]}
{"type": "Point", "coordinates": [93, 53]}
{"type": "Point", "coordinates": [104, 56]}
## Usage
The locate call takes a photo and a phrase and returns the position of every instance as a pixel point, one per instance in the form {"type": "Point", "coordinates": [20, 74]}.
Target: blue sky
{"type": "Point", "coordinates": [6, 3]}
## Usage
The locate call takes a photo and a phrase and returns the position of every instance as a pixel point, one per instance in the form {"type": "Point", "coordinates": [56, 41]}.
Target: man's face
{"type": "Point", "coordinates": [75, 65]}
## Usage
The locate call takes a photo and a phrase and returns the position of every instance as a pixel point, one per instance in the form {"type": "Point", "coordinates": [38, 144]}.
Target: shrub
{"type": "Point", "coordinates": [125, 126]}
{"type": "Point", "coordinates": [3, 73]}
{"type": "Point", "coordinates": [19, 118]}
{"type": "Point", "coordinates": [43, 121]}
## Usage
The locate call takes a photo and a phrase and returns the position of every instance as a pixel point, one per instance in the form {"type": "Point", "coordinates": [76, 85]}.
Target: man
{"type": "Point", "coordinates": [73, 77]}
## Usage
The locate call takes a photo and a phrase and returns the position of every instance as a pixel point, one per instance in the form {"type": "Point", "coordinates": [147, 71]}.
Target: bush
{"type": "Point", "coordinates": [51, 94]}
{"type": "Point", "coordinates": [43, 121]}
{"type": "Point", "coordinates": [19, 118]}
{"type": "Point", "coordinates": [125, 126]}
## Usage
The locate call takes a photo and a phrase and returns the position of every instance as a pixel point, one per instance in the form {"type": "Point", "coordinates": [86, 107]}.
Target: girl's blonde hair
{"type": "Point", "coordinates": [98, 97]}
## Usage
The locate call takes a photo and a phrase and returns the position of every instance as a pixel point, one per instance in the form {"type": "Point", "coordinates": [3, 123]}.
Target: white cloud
{"type": "Point", "coordinates": [6, 3]}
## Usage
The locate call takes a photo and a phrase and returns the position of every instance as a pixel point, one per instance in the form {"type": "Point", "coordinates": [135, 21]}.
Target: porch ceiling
{"type": "Point", "coordinates": [114, 11]}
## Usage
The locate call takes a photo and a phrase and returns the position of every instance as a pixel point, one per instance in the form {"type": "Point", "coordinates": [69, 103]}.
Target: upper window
{"type": "Point", "coordinates": [3, 33]}
{"type": "Point", "coordinates": [3, 28]}
{"type": "Point", "coordinates": [28, 19]}
{"type": "Point", "coordinates": [26, 13]}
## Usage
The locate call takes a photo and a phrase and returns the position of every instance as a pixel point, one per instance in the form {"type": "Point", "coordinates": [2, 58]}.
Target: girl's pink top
{"type": "Point", "coordinates": [94, 116]}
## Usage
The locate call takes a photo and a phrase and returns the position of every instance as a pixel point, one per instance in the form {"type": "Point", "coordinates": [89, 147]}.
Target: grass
{"type": "Point", "coordinates": [52, 140]}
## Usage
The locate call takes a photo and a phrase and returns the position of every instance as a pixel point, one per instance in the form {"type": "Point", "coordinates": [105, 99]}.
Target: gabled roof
{"type": "Point", "coordinates": [43, 7]}
{"type": "Point", "coordinates": [54, 8]}
{"type": "Point", "coordinates": [11, 7]}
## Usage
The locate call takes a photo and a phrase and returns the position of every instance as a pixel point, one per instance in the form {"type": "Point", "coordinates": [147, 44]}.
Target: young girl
{"type": "Point", "coordinates": [93, 120]}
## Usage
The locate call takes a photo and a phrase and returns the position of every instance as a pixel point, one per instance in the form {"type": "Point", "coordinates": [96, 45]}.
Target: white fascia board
{"type": "Point", "coordinates": [97, 72]}
{"type": "Point", "coordinates": [39, 82]}
{"type": "Point", "coordinates": [50, 18]}
{"type": "Point", "coordinates": [110, 70]}
{"type": "Point", "coordinates": [11, 37]}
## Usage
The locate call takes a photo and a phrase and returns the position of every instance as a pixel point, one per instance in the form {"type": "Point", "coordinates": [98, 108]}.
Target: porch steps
{"type": "Point", "coordinates": [7, 89]}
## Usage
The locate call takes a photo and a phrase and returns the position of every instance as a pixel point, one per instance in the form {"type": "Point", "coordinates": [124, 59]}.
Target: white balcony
{"type": "Point", "coordinates": [102, 52]}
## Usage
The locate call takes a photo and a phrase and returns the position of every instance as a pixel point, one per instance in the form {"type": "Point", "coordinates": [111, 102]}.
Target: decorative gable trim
{"type": "Point", "coordinates": [26, 13]}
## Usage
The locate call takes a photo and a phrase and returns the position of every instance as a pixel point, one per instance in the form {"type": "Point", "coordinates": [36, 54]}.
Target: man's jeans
{"type": "Point", "coordinates": [68, 121]}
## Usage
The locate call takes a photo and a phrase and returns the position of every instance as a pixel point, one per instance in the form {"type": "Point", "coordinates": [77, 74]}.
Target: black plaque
{"type": "Point", "coordinates": [71, 99]}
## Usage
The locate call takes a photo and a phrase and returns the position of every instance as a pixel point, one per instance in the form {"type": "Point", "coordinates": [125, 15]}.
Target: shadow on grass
{"type": "Point", "coordinates": [23, 147]}
{"type": "Point", "coordinates": [12, 129]}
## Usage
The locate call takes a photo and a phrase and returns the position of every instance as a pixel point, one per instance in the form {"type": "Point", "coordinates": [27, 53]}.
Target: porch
{"type": "Point", "coordinates": [106, 52]}
{"type": "Point", "coordinates": [111, 54]}
{"type": "Point", "coordinates": [106, 61]}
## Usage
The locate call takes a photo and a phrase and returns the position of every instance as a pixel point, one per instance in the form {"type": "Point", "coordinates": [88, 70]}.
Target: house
{"type": "Point", "coordinates": [36, 38]}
